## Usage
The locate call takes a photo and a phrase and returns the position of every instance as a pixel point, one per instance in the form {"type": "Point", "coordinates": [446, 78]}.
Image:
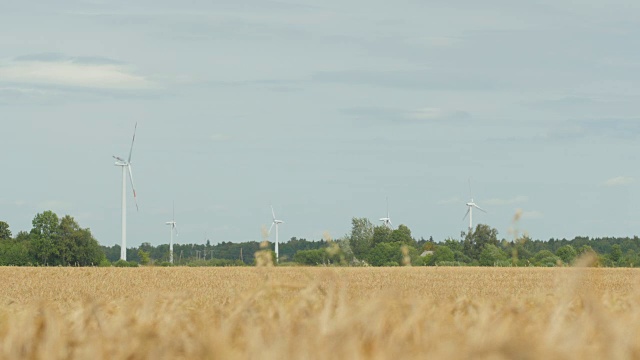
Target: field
{"type": "Point", "coordinates": [319, 313]}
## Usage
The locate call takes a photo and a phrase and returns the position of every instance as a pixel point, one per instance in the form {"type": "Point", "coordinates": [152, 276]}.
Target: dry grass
{"type": "Point", "coordinates": [319, 313]}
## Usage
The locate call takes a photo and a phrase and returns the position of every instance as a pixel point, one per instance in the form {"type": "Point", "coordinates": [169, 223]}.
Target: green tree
{"type": "Point", "coordinates": [491, 254]}
{"type": "Point", "coordinates": [454, 245]}
{"type": "Point", "coordinates": [585, 249]}
{"type": "Point", "coordinates": [145, 259]}
{"type": "Point", "coordinates": [54, 241]}
{"type": "Point", "coordinates": [443, 253]}
{"type": "Point", "coordinates": [66, 241]}
{"type": "Point", "coordinates": [345, 250]}
{"type": "Point", "coordinates": [384, 253]}
{"type": "Point", "coordinates": [402, 234]}
{"type": "Point", "coordinates": [381, 234]}
{"type": "Point", "coordinates": [545, 258]}
{"type": "Point", "coordinates": [310, 257]}
{"type": "Point", "coordinates": [616, 254]}
{"type": "Point", "coordinates": [46, 224]}
{"type": "Point", "coordinates": [15, 253]}
{"type": "Point", "coordinates": [390, 254]}
{"type": "Point", "coordinates": [43, 235]}
{"type": "Point", "coordinates": [566, 253]}
{"type": "Point", "coordinates": [5, 233]}
{"type": "Point", "coordinates": [476, 240]}
{"type": "Point", "coordinates": [361, 238]}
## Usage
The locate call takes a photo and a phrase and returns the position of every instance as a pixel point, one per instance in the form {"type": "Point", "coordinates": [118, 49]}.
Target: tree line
{"type": "Point", "coordinates": [52, 241]}
{"type": "Point", "coordinates": [55, 241]}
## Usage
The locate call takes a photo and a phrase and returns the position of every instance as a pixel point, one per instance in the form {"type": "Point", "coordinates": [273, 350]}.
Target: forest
{"type": "Point", "coordinates": [55, 241]}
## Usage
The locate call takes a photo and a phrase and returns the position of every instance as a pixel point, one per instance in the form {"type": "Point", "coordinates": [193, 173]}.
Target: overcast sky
{"type": "Point", "coordinates": [323, 109]}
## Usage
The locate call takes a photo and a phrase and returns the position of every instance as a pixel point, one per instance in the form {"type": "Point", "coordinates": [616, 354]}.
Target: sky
{"type": "Point", "coordinates": [323, 109]}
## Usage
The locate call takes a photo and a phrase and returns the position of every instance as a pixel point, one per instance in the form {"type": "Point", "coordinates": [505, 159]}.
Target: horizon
{"type": "Point", "coordinates": [323, 111]}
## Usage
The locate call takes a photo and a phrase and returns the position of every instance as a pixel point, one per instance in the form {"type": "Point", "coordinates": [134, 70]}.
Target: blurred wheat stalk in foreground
{"type": "Point", "coordinates": [319, 313]}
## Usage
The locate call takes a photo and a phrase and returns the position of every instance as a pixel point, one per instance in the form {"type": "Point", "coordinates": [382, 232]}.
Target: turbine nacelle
{"type": "Point", "coordinates": [470, 205]}
{"type": "Point", "coordinates": [120, 161]}
{"type": "Point", "coordinates": [386, 221]}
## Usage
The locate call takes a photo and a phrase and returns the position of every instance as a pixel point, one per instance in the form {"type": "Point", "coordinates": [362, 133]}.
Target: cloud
{"type": "Point", "coordinates": [455, 79]}
{"type": "Point", "coordinates": [565, 103]}
{"type": "Point", "coordinates": [434, 41]}
{"type": "Point", "coordinates": [17, 203]}
{"type": "Point", "coordinates": [502, 202]}
{"type": "Point", "coordinates": [577, 130]}
{"type": "Point", "coordinates": [437, 114]}
{"type": "Point", "coordinates": [416, 116]}
{"type": "Point", "coordinates": [619, 181]}
{"type": "Point", "coordinates": [613, 127]}
{"type": "Point", "coordinates": [53, 69]}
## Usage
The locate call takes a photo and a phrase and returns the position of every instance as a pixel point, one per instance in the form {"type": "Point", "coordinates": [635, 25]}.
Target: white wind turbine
{"type": "Point", "coordinates": [470, 206]}
{"type": "Point", "coordinates": [126, 167]}
{"type": "Point", "coordinates": [386, 221]}
{"type": "Point", "coordinates": [276, 223]}
{"type": "Point", "coordinates": [174, 227]}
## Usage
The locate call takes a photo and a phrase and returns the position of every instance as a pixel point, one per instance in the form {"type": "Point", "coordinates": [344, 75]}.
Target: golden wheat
{"type": "Point", "coordinates": [319, 313]}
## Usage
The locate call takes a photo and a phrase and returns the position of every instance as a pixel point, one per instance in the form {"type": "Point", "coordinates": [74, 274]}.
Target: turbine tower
{"type": "Point", "coordinates": [174, 227]}
{"type": "Point", "coordinates": [276, 223]}
{"type": "Point", "coordinates": [386, 221]}
{"type": "Point", "coordinates": [126, 167]}
{"type": "Point", "coordinates": [471, 204]}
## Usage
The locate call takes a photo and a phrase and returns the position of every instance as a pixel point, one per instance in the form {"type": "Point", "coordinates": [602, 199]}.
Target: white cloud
{"type": "Point", "coordinates": [619, 181]}
{"type": "Point", "coordinates": [18, 203]}
{"type": "Point", "coordinates": [434, 41]}
{"type": "Point", "coordinates": [501, 202]}
{"type": "Point", "coordinates": [72, 72]}
{"type": "Point", "coordinates": [436, 114]}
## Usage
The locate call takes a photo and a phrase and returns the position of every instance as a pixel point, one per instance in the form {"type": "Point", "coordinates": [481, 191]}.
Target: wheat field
{"type": "Point", "coordinates": [319, 313]}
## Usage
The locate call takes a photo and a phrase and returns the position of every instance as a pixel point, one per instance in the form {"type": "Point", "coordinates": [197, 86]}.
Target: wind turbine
{"type": "Point", "coordinates": [276, 223]}
{"type": "Point", "coordinates": [174, 226]}
{"type": "Point", "coordinates": [126, 167]}
{"type": "Point", "coordinates": [470, 206]}
{"type": "Point", "coordinates": [386, 221]}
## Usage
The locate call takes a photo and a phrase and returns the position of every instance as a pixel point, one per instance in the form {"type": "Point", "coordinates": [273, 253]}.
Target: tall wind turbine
{"type": "Point", "coordinates": [126, 167]}
{"type": "Point", "coordinates": [174, 227]}
{"type": "Point", "coordinates": [386, 221]}
{"type": "Point", "coordinates": [470, 206]}
{"type": "Point", "coordinates": [276, 223]}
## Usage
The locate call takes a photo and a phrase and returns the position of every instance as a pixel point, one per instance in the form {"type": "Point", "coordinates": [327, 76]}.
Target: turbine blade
{"type": "Point", "coordinates": [271, 228]}
{"type": "Point", "coordinates": [273, 213]}
{"type": "Point", "coordinates": [479, 208]}
{"type": "Point", "coordinates": [132, 141]}
{"type": "Point", "coordinates": [465, 215]}
{"type": "Point", "coordinates": [175, 227]}
{"type": "Point", "coordinates": [118, 158]}
{"type": "Point", "coordinates": [135, 198]}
